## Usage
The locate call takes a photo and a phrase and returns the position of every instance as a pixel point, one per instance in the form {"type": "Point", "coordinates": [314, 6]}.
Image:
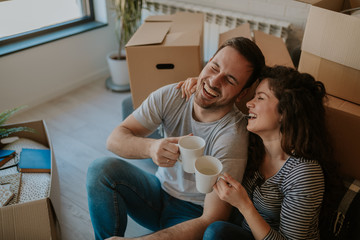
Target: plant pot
{"type": "Point", "coordinates": [119, 80]}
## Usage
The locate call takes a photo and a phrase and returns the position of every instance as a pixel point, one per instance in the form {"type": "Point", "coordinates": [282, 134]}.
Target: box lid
{"type": "Point", "coordinates": [180, 29]}
{"type": "Point", "coordinates": [274, 49]}
{"type": "Point", "coordinates": [333, 36]}
{"type": "Point", "coordinates": [150, 33]}
{"type": "Point", "coordinates": [243, 30]}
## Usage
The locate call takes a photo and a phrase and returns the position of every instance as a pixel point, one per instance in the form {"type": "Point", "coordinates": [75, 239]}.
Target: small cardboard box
{"type": "Point", "coordinates": [165, 49]}
{"type": "Point", "coordinates": [35, 219]}
{"type": "Point", "coordinates": [331, 48]}
{"type": "Point", "coordinates": [273, 48]}
{"type": "Point", "coordinates": [344, 126]}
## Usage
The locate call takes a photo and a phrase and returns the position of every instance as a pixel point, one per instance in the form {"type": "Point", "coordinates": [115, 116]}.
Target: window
{"type": "Point", "coordinates": [27, 23]}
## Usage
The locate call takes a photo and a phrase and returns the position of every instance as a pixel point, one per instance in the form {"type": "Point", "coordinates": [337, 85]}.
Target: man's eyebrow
{"type": "Point", "coordinates": [228, 75]}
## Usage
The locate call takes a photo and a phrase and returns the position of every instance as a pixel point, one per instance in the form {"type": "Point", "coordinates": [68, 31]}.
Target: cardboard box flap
{"type": "Point", "coordinates": [274, 49]}
{"type": "Point", "coordinates": [189, 38]}
{"type": "Point", "coordinates": [159, 18]}
{"type": "Point", "coordinates": [150, 33]}
{"type": "Point", "coordinates": [334, 5]}
{"type": "Point", "coordinates": [243, 30]}
{"type": "Point", "coordinates": [326, 29]}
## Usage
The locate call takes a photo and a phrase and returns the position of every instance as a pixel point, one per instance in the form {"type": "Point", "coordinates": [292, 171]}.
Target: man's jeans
{"type": "Point", "coordinates": [116, 188]}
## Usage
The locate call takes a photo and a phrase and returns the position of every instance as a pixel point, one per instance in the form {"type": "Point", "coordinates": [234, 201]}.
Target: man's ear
{"type": "Point", "coordinates": [242, 94]}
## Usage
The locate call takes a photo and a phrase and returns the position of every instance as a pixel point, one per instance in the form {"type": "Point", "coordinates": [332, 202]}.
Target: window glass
{"type": "Point", "coordinates": [22, 16]}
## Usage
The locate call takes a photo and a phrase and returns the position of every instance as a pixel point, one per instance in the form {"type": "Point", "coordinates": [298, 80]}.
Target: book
{"type": "Point", "coordinates": [35, 160]}
{"type": "Point", "coordinates": [6, 155]}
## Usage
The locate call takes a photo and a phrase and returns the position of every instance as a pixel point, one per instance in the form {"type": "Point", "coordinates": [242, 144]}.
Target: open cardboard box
{"type": "Point", "coordinates": [165, 49]}
{"type": "Point", "coordinates": [35, 219]}
{"type": "Point", "coordinates": [331, 48]}
{"type": "Point", "coordinates": [273, 48]}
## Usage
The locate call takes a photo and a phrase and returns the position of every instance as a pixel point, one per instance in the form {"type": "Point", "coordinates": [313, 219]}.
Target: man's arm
{"type": "Point", "coordinates": [129, 140]}
{"type": "Point", "coordinates": [214, 210]}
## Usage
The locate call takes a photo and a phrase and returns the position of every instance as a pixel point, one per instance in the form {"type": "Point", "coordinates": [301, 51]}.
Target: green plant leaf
{"type": "Point", "coordinates": [4, 116]}
{"type": "Point", "coordinates": [6, 132]}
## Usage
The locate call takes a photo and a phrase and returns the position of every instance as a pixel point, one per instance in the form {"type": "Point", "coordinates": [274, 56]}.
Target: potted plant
{"type": "Point", "coordinates": [127, 21]}
{"type": "Point", "coordinates": [4, 116]}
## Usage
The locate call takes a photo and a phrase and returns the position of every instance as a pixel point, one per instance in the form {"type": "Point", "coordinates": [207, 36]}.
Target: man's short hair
{"type": "Point", "coordinates": [251, 52]}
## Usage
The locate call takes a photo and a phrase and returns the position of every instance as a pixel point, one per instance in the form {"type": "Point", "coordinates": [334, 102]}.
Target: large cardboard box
{"type": "Point", "coordinates": [165, 49]}
{"type": "Point", "coordinates": [273, 48]}
{"type": "Point", "coordinates": [344, 125]}
{"type": "Point", "coordinates": [331, 48]}
{"type": "Point", "coordinates": [33, 220]}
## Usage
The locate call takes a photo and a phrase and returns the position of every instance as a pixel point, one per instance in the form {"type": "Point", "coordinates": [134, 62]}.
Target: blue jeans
{"type": "Point", "coordinates": [116, 188]}
{"type": "Point", "coordinates": [226, 231]}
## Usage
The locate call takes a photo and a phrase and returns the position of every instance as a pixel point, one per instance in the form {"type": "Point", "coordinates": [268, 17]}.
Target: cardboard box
{"type": "Point", "coordinates": [273, 48]}
{"type": "Point", "coordinates": [165, 49]}
{"type": "Point", "coordinates": [344, 125]}
{"type": "Point", "coordinates": [331, 49]}
{"type": "Point", "coordinates": [35, 219]}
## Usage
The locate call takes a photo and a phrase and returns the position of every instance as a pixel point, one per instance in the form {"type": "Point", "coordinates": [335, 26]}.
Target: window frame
{"type": "Point", "coordinates": [29, 39]}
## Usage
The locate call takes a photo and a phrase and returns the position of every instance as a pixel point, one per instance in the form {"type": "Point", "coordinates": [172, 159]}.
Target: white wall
{"type": "Point", "coordinates": [41, 73]}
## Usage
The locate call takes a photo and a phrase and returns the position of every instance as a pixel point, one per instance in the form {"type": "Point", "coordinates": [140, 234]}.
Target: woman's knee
{"type": "Point", "coordinates": [214, 230]}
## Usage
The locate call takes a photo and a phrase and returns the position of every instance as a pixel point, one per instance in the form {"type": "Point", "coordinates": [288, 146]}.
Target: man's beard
{"type": "Point", "coordinates": [209, 104]}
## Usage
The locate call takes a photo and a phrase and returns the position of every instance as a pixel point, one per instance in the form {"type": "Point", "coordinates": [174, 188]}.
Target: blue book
{"type": "Point", "coordinates": [35, 160]}
{"type": "Point", "coordinates": [5, 156]}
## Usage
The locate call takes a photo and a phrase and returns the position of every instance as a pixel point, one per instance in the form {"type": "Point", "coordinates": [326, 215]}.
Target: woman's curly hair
{"type": "Point", "coordinates": [303, 127]}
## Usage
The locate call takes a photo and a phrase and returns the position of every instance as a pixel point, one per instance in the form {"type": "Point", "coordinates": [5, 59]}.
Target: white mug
{"type": "Point", "coordinates": [207, 171]}
{"type": "Point", "coordinates": [191, 147]}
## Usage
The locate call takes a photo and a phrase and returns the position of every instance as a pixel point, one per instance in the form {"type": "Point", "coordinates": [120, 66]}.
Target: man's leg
{"type": "Point", "coordinates": [176, 211]}
{"type": "Point", "coordinates": [115, 188]}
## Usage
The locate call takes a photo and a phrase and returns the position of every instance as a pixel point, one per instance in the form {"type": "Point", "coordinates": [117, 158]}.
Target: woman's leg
{"type": "Point", "coordinates": [226, 231]}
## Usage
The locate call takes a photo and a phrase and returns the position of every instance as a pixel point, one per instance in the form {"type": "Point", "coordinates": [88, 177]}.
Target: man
{"type": "Point", "coordinates": [168, 202]}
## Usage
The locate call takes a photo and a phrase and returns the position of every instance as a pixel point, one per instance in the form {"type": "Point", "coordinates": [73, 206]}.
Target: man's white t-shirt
{"type": "Point", "coordinates": [226, 139]}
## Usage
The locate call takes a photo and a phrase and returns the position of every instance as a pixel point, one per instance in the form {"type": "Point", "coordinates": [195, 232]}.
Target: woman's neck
{"type": "Point", "coordinates": [274, 157]}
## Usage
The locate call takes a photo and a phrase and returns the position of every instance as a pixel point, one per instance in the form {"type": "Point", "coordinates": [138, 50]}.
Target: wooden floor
{"type": "Point", "coordinates": [78, 124]}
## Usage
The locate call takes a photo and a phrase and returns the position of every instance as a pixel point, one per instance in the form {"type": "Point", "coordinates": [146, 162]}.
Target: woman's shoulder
{"type": "Point", "coordinates": [302, 171]}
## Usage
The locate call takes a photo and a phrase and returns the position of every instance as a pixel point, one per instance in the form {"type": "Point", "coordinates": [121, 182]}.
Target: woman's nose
{"type": "Point", "coordinates": [249, 104]}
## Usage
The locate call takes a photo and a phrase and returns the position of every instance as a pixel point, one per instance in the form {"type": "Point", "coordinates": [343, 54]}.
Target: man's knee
{"type": "Point", "coordinates": [100, 170]}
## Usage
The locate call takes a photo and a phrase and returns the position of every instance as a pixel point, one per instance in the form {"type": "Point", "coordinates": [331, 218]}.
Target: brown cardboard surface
{"type": "Point", "coordinates": [274, 49]}
{"type": "Point", "coordinates": [243, 30]}
{"type": "Point", "coordinates": [178, 56]}
{"type": "Point", "coordinates": [333, 36]}
{"type": "Point", "coordinates": [35, 219]}
{"type": "Point", "coordinates": [330, 49]}
{"type": "Point", "coordinates": [340, 81]}
{"type": "Point", "coordinates": [150, 33]}
{"type": "Point", "coordinates": [344, 124]}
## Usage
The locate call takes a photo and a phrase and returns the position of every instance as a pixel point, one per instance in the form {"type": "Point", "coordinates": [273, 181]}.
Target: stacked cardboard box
{"type": "Point", "coordinates": [331, 53]}
{"type": "Point", "coordinates": [165, 49]}
{"type": "Point", "coordinates": [33, 220]}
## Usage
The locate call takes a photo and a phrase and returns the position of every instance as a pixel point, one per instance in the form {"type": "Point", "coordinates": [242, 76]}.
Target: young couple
{"type": "Point", "coordinates": [277, 194]}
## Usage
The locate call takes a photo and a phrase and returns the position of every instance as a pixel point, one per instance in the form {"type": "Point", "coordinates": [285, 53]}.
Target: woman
{"type": "Point", "coordinates": [289, 152]}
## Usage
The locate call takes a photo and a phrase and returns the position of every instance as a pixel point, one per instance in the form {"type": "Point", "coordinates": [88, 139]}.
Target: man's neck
{"type": "Point", "coordinates": [209, 115]}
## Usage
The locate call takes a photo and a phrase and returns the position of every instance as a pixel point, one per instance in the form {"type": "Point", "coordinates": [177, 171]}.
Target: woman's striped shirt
{"type": "Point", "coordinates": [289, 201]}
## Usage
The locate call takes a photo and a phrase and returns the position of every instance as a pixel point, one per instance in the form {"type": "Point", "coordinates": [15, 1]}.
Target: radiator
{"type": "Point", "coordinates": [218, 21]}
